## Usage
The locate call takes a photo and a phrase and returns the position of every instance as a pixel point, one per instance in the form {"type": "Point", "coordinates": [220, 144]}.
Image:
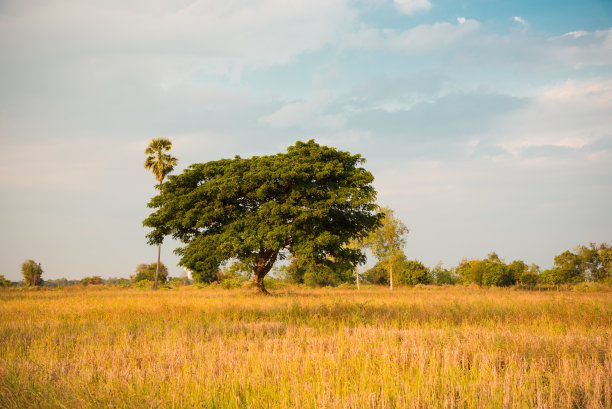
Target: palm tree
{"type": "Point", "coordinates": [160, 163]}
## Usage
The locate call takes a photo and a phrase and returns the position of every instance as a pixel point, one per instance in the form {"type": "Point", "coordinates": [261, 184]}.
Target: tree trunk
{"type": "Point", "coordinates": [157, 269]}
{"type": "Point", "coordinates": [357, 276]}
{"type": "Point", "coordinates": [264, 264]}
{"type": "Point", "coordinates": [258, 279]}
{"type": "Point", "coordinates": [158, 244]}
{"type": "Point", "coordinates": [391, 275]}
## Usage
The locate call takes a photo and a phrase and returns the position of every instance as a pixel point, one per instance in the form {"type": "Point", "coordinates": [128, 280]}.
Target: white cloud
{"type": "Point", "coordinates": [217, 34]}
{"type": "Point", "coordinates": [427, 37]}
{"type": "Point", "coordinates": [461, 20]}
{"type": "Point", "coordinates": [520, 20]}
{"type": "Point", "coordinates": [576, 34]}
{"type": "Point", "coordinates": [305, 113]}
{"type": "Point", "coordinates": [572, 115]}
{"type": "Point", "coordinates": [412, 6]}
{"type": "Point", "coordinates": [424, 37]}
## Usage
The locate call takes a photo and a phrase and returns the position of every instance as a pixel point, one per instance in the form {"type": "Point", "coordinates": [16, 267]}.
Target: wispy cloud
{"type": "Point", "coordinates": [412, 6]}
{"type": "Point", "coordinates": [305, 113]}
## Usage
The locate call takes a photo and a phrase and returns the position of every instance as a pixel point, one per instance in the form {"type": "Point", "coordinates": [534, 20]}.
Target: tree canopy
{"type": "Point", "coordinates": [158, 160]}
{"type": "Point", "coordinates": [309, 202]}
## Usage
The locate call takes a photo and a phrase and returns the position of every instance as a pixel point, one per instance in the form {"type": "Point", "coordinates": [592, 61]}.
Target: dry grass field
{"type": "Point", "coordinates": [431, 347]}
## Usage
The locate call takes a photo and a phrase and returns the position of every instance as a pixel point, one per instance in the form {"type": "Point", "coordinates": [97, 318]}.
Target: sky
{"type": "Point", "coordinates": [486, 124]}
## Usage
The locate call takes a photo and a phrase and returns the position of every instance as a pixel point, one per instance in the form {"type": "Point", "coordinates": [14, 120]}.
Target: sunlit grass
{"type": "Point", "coordinates": [453, 347]}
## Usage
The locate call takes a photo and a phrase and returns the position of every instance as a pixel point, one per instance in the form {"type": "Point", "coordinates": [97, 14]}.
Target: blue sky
{"type": "Point", "coordinates": [487, 124]}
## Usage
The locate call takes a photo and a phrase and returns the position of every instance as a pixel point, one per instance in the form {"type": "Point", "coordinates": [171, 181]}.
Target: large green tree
{"type": "Point", "coordinates": [309, 202]}
{"type": "Point", "coordinates": [32, 273]}
{"type": "Point", "coordinates": [160, 162]}
{"type": "Point", "coordinates": [387, 242]}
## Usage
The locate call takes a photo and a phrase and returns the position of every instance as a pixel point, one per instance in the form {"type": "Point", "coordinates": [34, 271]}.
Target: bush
{"type": "Point", "coordinates": [232, 282]}
{"type": "Point", "coordinates": [144, 284]}
{"type": "Point", "coordinates": [588, 287]}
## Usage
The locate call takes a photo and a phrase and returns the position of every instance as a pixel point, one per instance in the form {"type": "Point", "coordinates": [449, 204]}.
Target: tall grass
{"type": "Point", "coordinates": [450, 347]}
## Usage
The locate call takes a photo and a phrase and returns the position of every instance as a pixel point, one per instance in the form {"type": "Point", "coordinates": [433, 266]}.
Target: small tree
{"type": "Point", "coordinates": [604, 272]}
{"type": "Point", "coordinates": [4, 282]}
{"type": "Point", "coordinates": [568, 266]}
{"type": "Point", "coordinates": [388, 241]}
{"type": "Point", "coordinates": [471, 271]}
{"type": "Point", "coordinates": [442, 276]}
{"type": "Point", "coordinates": [149, 271]}
{"type": "Point", "coordinates": [413, 272]}
{"type": "Point", "coordinates": [32, 273]}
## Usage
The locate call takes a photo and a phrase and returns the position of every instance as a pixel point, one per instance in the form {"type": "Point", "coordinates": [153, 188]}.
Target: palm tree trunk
{"type": "Point", "coordinates": [158, 247]}
{"type": "Point", "coordinates": [157, 269]}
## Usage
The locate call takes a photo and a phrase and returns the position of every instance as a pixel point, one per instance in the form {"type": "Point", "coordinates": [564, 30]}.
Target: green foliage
{"type": "Point", "coordinates": [158, 161]}
{"type": "Point", "coordinates": [233, 282]}
{"type": "Point", "coordinates": [595, 261]}
{"type": "Point", "coordinates": [92, 280]}
{"type": "Point", "coordinates": [567, 268]}
{"type": "Point", "coordinates": [308, 202]}
{"type": "Point", "coordinates": [144, 284]}
{"type": "Point", "coordinates": [442, 276]}
{"type": "Point", "coordinates": [147, 272]}
{"type": "Point", "coordinates": [530, 278]}
{"type": "Point", "coordinates": [119, 282]}
{"type": "Point", "coordinates": [489, 272]}
{"type": "Point", "coordinates": [315, 274]}
{"type": "Point", "coordinates": [32, 273]}
{"type": "Point", "coordinates": [388, 240]}
{"type": "Point", "coordinates": [471, 271]}
{"type": "Point", "coordinates": [4, 282]}
{"type": "Point", "coordinates": [592, 263]}
{"type": "Point", "coordinates": [412, 272]}
{"type": "Point", "coordinates": [379, 274]}
{"type": "Point", "coordinates": [497, 274]}
{"type": "Point", "coordinates": [408, 272]}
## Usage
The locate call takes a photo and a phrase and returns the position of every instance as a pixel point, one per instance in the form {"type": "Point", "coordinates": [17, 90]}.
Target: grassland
{"type": "Point", "coordinates": [429, 347]}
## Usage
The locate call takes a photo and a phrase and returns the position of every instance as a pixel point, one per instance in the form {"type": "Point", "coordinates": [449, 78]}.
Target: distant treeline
{"type": "Point", "coordinates": [591, 263]}
{"type": "Point", "coordinates": [143, 277]}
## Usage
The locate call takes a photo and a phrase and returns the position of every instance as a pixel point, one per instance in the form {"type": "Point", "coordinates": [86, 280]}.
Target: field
{"type": "Point", "coordinates": [454, 347]}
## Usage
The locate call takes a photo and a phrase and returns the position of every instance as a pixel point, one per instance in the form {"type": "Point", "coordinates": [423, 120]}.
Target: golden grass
{"type": "Point", "coordinates": [430, 347]}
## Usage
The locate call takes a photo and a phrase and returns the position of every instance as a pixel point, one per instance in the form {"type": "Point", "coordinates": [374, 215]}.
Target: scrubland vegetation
{"type": "Point", "coordinates": [421, 347]}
